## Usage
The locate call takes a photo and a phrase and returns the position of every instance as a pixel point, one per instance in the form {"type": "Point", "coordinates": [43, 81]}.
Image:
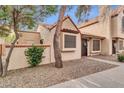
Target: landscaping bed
{"type": "Point", "coordinates": [47, 75]}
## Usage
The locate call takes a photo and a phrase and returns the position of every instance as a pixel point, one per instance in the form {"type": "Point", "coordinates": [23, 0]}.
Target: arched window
{"type": "Point", "coordinates": [123, 24]}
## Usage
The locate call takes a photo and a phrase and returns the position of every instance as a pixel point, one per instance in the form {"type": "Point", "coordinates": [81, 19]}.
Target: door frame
{"type": "Point", "coordinates": [113, 51]}
{"type": "Point", "coordinates": [82, 46]}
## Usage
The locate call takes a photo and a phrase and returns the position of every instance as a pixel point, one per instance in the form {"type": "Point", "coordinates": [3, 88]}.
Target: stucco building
{"type": "Point", "coordinates": [103, 37]}
{"type": "Point", "coordinates": [70, 39]}
{"type": "Point", "coordinates": [93, 37]}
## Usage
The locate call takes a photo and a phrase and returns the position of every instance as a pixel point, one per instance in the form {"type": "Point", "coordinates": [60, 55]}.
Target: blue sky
{"type": "Point", "coordinates": [93, 13]}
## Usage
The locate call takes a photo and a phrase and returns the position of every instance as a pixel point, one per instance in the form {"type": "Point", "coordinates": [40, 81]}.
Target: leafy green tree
{"type": "Point", "coordinates": [19, 17]}
{"type": "Point", "coordinates": [9, 38]}
{"type": "Point", "coordinates": [4, 31]}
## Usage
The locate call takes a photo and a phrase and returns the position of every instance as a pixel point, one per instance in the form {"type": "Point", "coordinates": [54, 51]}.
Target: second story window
{"type": "Point", "coordinates": [123, 24]}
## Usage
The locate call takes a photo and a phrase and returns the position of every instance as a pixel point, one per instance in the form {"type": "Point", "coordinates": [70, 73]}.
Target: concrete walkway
{"type": "Point", "coordinates": [112, 78]}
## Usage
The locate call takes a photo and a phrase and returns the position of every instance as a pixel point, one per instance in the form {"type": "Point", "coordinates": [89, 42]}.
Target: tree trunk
{"type": "Point", "coordinates": [15, 27]}
{"type": "Point", "coordinates": [1, 66]}
{"type": "Point", "coordinates": [5, 66]}
{"type": "Point", "coordinates": [56, 43]}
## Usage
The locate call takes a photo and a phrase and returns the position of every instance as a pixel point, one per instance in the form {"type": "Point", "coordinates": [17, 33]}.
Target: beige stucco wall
{"type": "Point", "coordinates": [108, 29]}
{"type": "Point", "coordinates": [48, 39]}
{"type": "Point", "coordinates": [114, 26]}
{"type": "Point", "coordinates": [119, 25]}
{"type": "Point", "coordinates": [68, 24]}
{"type": "Point", "coordinates": [117, 29]}
{"type": "Point", "coordinates": [18, 58]}
{"type": "Point", "coordinates": [107, 42]}
{"type": "Point", "coordinates": [45, 34]}
{"type": "Point", "coordinates": [101, 29]}
{"type": "Point", "coordinates": [29, 38]}
{"type": "Point", "coordinates": [93, 29]}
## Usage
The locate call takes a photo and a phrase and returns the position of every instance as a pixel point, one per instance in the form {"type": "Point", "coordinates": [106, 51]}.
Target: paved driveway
{"type": "Point", "coordinates": [113, 78]}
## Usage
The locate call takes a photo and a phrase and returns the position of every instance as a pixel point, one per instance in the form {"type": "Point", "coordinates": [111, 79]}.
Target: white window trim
{"type": "Point", "coordinates": [92, 45]}
{"type": "Point", "coordinates": [63, 42]}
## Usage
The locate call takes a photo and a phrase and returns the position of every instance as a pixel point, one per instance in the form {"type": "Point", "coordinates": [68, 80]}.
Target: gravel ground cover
{"type": "Point", "coordinates": [47, 75]}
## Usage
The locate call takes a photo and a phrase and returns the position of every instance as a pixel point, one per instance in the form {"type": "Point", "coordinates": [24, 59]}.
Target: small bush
{"type": "Point", "coordinates": [34, 55]}
{"type": "Point", "coordinates": [121, 58]}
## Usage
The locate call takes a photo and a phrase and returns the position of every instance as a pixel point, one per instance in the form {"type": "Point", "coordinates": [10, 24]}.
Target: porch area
{"type": "Point", "coordinates": [91, 44]}
{"type": "Point", "coordinates": [117, 45]}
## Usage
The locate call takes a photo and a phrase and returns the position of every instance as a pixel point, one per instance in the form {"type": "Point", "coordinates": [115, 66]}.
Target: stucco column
{"type": "Point", "coordinates": [105, 26]}
{"type": "Point", "coordinates": [107, 42]}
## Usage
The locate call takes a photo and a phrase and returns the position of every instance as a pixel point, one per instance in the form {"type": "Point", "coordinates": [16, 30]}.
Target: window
{"type": "Point", "coordinates": [96, 45]}
{"type": "Point", "coordinates": [41, 41]}
{"type": "Point", "coordinates": [123, 24]}
{"type": "Point", "coordinates": [121, 44]}
{"type": "Point", "coordinates": [70, 41]}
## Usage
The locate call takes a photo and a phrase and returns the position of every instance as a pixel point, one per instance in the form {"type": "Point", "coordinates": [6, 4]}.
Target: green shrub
{"type": "Point", "coordinates": [121, 58]}
{"type": "Point", "coordinates": [34, 55]}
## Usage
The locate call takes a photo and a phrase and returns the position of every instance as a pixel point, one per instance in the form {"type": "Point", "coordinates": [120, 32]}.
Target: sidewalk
{"type": "Point", "coordinates": [112, 78]}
